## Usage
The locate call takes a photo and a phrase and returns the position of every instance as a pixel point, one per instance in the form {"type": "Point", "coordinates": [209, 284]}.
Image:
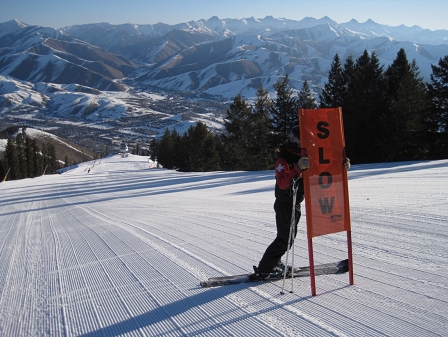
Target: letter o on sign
{"type": "Point", "coordinates": [328, 182]}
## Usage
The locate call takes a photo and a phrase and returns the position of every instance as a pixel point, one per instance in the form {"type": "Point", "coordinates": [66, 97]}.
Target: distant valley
{"type": "Point", "coordinates": [98, 84]}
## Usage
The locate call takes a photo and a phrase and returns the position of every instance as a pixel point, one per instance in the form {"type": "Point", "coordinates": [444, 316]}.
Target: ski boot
{"type": "Point", "coordinates": [258, 275]}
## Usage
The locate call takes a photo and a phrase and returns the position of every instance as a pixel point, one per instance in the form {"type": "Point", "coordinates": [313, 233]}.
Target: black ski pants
{"type": "Point", "coordinates": [278, 247]}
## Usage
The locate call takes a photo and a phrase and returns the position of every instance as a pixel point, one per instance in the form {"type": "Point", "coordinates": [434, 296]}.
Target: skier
{"type": "Point", "coordinates": [288, 171]}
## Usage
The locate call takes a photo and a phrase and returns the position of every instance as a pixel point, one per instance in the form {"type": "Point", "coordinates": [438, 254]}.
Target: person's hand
{"type": "Point", "coordinates": [347, 164]}
{"type": "Point", "coordinates": [304, 163]}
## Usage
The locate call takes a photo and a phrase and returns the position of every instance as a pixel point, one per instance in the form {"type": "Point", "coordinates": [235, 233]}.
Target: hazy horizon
{"type": "Point", "coordinates": [428, 15]}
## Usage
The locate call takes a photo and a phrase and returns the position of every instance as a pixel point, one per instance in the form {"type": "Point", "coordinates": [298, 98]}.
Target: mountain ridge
{"type": "Point", "coordinates": [104, 73]}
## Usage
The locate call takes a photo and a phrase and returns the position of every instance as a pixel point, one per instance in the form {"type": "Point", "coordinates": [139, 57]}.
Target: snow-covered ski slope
{"type": "Point", "coordinates": [121, 251]}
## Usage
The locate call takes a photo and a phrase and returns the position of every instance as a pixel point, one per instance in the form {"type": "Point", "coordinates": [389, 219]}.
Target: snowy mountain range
{"type": "Point", "coordinates": [95, 72]}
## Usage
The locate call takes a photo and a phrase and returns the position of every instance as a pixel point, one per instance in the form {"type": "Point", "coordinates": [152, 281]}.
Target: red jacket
{"type": "Point", "coordinates": [284, 174]}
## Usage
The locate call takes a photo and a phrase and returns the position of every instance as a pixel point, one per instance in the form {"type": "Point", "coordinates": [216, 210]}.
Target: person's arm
{"type": "Point", "coordinates": [284, 174]}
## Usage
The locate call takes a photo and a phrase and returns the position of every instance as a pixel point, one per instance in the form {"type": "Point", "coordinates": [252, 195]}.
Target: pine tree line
{"type": "Point", "coordinates": [389, 115]}
{"type": "Point", "coordinates": [23, 158]}
{"type": "Point", "coordinates": [392, 114]}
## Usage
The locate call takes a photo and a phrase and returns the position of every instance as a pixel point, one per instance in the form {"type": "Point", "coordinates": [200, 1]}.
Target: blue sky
{"type": "Point", "coordinates": [429, 14]}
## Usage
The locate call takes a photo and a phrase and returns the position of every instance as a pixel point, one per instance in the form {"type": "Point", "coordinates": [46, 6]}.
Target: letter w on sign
{"type": "Point", "coordinates": [326, 188]}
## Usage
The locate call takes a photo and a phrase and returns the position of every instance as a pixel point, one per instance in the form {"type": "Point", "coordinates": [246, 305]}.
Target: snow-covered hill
{"type": "Point", "coordinates": [65, 151]}
{"type": "Point", "coordinates": [101, 73]}
{"type": "Point", "coordinates": [214, 57]}
{"type": "Point", "coordinates": [120, 249]}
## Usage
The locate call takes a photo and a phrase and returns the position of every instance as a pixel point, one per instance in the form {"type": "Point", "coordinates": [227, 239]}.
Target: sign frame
{"type": "Point", "coordinates": [326, 180]}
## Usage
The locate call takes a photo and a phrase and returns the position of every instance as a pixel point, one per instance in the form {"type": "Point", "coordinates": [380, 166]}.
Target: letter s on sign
{"type": "Point", "coordinates": [324, 133]}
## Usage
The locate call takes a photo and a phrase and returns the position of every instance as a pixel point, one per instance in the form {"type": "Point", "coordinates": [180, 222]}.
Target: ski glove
{"type": "Point", "coordinates": [347, 164]}
{"type": "Point", "coordinates": [304, 163]}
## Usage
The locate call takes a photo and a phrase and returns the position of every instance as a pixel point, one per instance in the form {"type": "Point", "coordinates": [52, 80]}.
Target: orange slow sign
{"type": "Point", "coordinates": [325, 181]}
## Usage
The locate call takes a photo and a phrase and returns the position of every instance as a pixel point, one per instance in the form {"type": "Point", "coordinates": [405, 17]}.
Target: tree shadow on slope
{"type": "Point", "coordinates": [143, 186]}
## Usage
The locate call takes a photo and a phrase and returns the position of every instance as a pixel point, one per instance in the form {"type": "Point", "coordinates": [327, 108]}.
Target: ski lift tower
{"type": "Point", "coordinates": [123, 150]}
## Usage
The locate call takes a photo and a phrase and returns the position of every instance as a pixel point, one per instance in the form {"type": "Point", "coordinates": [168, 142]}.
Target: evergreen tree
{"type": "Point", "coordinates": [136, 149]}
{"type": "Point", "coordinates": [284, 113]}
{"type": "Point", "coordinates": [261, 153]}
{"type": "Point", "coordinates": [153, 149]}
{"type": "Point", "coordinates": [334, 91]}
{"type": "Point", "coordinates": [37, 158]}
{"type": "Point", "coordinates": [202, 154]}
{"type": "Point", "coordinates": [395, 73]}
{"type": "Point", "coordinates": [220, 149]}
{"type": "Point", "coordinates": [408, 124]}
{"type": "Point", "coordinates": [166, 150]}
{"type": "Point", "coordinates": [438, 91]}
{"type": "Point", "coordinates": [52, 160]}
{"type": "Point", "coordinates": [364, 111]}
{"type": "Point", "coordinates": [2, 170]}
{"type": "Point", "coordinates": [180, 148]}
{"type": "Point", "coordinates": [348, 75]}
{"type": "Point", "coordinates": [21, 155]}
{"type": "Point", "coordinates": [45, 162]}
{"type": "Point", "coordinates": [29, 157]}
{"type": "Point", "coordinates": [306, 99]}
{"type": "Point", "coordinates": [12, 159]}
{"type": "Point", "coordinates": [236, 138]}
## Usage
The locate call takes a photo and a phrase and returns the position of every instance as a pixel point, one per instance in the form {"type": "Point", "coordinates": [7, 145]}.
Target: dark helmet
{"type": "Point", "coordinates": [294, 135]}
{"type": "Point", "coordinates": [293, 143]}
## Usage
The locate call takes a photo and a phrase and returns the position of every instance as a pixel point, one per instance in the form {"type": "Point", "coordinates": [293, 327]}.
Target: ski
{"type": "Point", "coordinates": [320, 269]}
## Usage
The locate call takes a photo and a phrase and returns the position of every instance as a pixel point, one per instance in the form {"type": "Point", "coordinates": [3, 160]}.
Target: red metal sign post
{"type": "Point", "coordinates": [325, 181]}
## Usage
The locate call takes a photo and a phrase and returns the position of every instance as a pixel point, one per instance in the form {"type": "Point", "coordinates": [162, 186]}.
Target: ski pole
{"type": "Point", "coordinates": [293, 235]}
{"type": "Point", "coordinates": [290, 239]}
{"type": "Point", "coordinates": [293, 229]}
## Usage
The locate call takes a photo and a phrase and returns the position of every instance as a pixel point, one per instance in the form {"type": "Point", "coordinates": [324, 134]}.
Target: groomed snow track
{"type": "Point", "coordinates": [121, 251]}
